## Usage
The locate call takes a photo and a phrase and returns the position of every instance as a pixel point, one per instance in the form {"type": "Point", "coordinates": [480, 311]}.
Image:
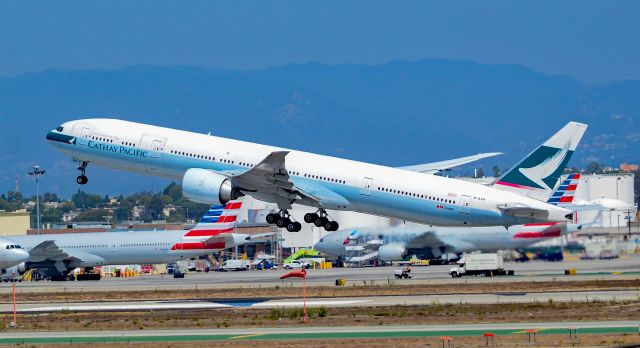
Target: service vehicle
{"type": "Point", "coordinates": [484, 265]}
{"type": "Point", "coordinates": [235, 265]}
{"type": "Point", "coordinates": [296, 264]}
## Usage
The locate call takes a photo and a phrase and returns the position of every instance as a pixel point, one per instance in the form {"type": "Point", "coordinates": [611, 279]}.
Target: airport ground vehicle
{"type": "Point", "coordinates": [235, 265]}
{"type": "Point", "coordinates": [403, 273]}
{"type": "Point", "coordinates": [484, 265]}
{"type": "Point", "coordinates": [265, 264]}
{"type": "Point", "coordinates": [296, 264]}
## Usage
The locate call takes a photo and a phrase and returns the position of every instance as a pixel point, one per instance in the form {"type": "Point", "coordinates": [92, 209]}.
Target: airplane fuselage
{"type": "Point", "coordinates": [117, 248]}
{"type": "Point", "coordinates": [364, 187]}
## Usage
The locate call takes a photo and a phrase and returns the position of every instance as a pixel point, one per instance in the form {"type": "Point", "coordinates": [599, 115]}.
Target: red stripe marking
{"type": "Point", "coordinates": [226, 218]}
{"type": "Point", "coordinates": [572, 187]}
{"type": "Point", "coordinates": [205, 233]}
{"type": "Point", "coordinates": [541, 224]}
{"type": "Point", "coordinates": [513, 185]}
{"type": "Point", "coordinates": [233, 205]}
{"type": "Point", "coordinates": [198, 246]}
{"type": "Point", "coordinates": [567, 199]}
{"type": "Point", "coordinates": [545, 234]}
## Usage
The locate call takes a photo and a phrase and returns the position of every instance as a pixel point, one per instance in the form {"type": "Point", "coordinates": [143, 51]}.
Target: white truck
{"type": "Point", "coordinates": [484, 265]}
{"type": "Point", "coordinates": [235, 265]}
{"type": "Point", "coordinates": [296, 264]}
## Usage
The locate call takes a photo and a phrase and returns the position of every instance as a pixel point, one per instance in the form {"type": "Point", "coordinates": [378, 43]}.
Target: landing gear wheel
{"type": "Point", "coordinates": [272, 218]}
{"type": "Point", "coordinates": [82, 180]}
{"type": "Point", "coordinates": [310, 217]}
{"type": "Point", "coordinates": [320, 221]}
{"type": "Point", "coordinates": [282, 222]}
{"type": "Point", "coordinates": [294, 226]}
{"type": "Point", "coordinates": [331, 226]}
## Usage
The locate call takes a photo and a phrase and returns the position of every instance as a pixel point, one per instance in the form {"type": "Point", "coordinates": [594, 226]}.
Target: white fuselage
{"type": "Point", "coordinates": [365, 187]}
{"type": "Point", "coordinates": [117, 248]}
{"type": "Point", "coordinates": [450, 239]}
{"type": "Point", "coordinates": [11, 254]}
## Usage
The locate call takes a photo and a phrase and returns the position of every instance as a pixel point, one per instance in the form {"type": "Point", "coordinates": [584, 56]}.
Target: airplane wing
{"type": "Point", "coordinates": [269, 180]}
{"type": "Point", "coordinates": [433, 240]}
{"type": "Point", "coordinates": [435, 167]}
{"type": "Point", "coordinates": [47, 250]}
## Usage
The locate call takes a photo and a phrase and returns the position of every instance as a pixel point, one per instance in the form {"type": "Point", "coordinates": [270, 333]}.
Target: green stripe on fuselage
{"type": "Point", "coordinates": [61, 138]}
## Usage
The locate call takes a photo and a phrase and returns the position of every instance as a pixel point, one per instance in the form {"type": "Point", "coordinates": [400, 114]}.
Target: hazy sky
{"type": "Point", "coordinates": [591, 40]}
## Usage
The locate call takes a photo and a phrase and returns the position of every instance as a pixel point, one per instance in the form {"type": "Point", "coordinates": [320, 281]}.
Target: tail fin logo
{"type": "Point", "coordinates": [216, 220]}
{"type": "Point", "coordinates": [546, 168]}
{"type": "Point", "coordinates": [566, 191]}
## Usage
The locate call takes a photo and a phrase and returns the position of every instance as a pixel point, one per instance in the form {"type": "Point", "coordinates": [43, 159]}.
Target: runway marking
{"type": "Point", "coordinates": [245, 336]}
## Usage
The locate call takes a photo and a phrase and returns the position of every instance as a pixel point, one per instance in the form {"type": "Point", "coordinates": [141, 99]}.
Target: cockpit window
{"type": "Point", "coordinates": [59, 128]}
{"type": "Point", "coordinates": [13, 246]}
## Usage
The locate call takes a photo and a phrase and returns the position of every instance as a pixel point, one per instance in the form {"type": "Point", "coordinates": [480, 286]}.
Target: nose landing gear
{"type": "Point", "coordinates": [82, 178]}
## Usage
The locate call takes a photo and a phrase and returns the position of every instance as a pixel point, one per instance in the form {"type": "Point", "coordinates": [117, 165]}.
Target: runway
{"type": "Point", "coordinates": [368, 301]}
{"type": "Point", "coordinates": [291, 333]}
{"type": "Point", "coordinates": [626, 267]}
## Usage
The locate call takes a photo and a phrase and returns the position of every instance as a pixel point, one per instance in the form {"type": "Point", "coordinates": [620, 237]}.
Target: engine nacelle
{"type": "Point", "coordinates": [392, 252]}
{"type": "Point", "coordinates": [205, 186]}
{"type": "Point", "coordinates": [19, 269]}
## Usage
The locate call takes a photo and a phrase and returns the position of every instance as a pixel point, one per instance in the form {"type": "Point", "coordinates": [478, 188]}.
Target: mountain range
{"type": "Point", "coordinates": [399, 113]}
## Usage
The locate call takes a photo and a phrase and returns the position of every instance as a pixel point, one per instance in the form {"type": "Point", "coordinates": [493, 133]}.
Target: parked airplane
{"type": "Point", "coordinates": [11, 255]}
{"type": "Point", "coordinates": [58, 254]}
{"type": "Point", "coordinates": [396, 243]}
{"type": "Point", "coordinates": [214, 169]}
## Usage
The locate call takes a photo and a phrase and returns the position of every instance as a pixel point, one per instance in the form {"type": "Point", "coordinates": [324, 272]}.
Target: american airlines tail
{"type": "Point", "coordinates": [538, 174]}
{"type": "Point", "coordinates": [214, 230]}
{"type": "Point", "coordinates": [563, 196]}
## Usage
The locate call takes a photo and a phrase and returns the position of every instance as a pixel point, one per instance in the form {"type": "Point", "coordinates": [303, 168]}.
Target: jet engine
{"type": "Point", "coordinates": [392, 252]}
{"type": "Point", "coordinates": [205, 186]}
{"type": "Point", "coordinates": [19, 269]}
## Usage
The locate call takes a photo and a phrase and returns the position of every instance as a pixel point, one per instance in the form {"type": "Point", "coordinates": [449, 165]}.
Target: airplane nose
{"type": "Point", "coordinates": [20, 255]}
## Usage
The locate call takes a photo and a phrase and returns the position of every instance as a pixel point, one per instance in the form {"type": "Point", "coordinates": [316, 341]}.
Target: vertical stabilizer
{"type": "Point", "coordinates": [563, 196]}
{"type": "Point", "coordinates": [218, 219]}
{"type": "Point", "coordinates": [539, 173]}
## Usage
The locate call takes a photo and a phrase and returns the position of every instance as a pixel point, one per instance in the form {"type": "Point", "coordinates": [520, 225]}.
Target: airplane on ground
{"type": "Point", "coordinates": [217, 170]}
{"type": "Point", "coordinates": [11, 255]}
{"type": "Point", "coordinates": [56, 255]}
{"type": "Point", "coordinates": [398, 242]}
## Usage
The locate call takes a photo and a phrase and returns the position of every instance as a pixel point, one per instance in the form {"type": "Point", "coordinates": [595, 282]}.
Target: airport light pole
{"type": "Point", "coordinates": [37, 173]}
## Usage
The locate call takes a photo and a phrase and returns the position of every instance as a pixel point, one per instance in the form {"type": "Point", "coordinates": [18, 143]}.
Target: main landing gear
{"type": "Point", "coordinates": [283, 219]}
{"type": "Point", "coordinates": [320, 219]}
{"type": "Point", "coordinates": [82, 178]}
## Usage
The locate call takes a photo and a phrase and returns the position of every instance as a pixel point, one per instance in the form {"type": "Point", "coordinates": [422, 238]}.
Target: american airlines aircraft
{"type": "Point", "coordinates": [398, 242]}
{"type": "Point", "coordinates": [11, 255]}
{"type": "Point", "coordinates": [217, 170]}
{"type": "Point", "coordinates": [56, 255]}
